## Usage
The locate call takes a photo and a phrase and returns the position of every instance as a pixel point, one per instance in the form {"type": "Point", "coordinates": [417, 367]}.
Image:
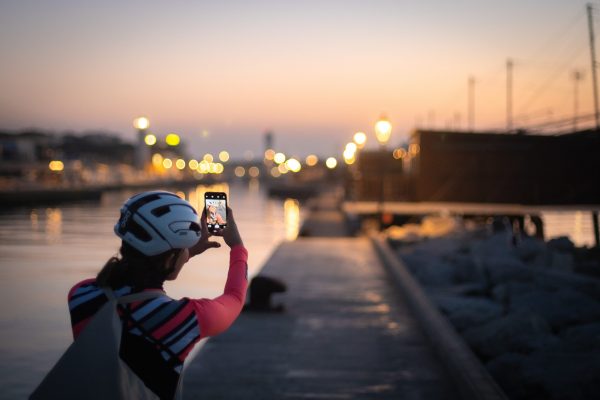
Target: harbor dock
{"type": "Point", "coordinates": [345, 333]}
{"type": "Point", "coordinates": [348, 330]}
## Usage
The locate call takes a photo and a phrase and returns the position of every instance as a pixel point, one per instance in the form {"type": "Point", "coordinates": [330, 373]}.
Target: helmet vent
{"type": "Point", "coordinates": [160, 211]}
{"type": "Point", "coordinates": [138, 231]}
{"type": "Point", "coordinates": [194, 227]}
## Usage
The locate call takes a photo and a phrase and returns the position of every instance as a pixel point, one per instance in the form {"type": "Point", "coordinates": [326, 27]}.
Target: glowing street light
{"type": "Point", "coordinates": [331, 162]}
{"type": "Point", "coordinates": [275, 172]}
{"type": "Point", "coordinates": [141, 123]}
{"type": "Point", "coordinates": [56, 166]}
{"type": "Point", "coordinates": [172, 139]}
{"type": "Point", "coordinates": [312, 160]}
{"type": "Point", "coordinates": [208, 158]}
{"type": "Point", "coordinates": [279, 158]}
{"type": "Point", "coordinates": [224, 156]}
{"type": "Point", "coordinates": [254, 172]}
{"type": "Point", "coordinates": [293, 165]}
{"type": "Point", "coordinates": [239, 171]}
{"type": "Point", "coordinates": [399, 153]}
{"type": "Point", "coordinates": [360, 139]}
{"type": "Point", "coordinates": [204, 167]}
{"type": "Point", "coordinates": [383, 130]}
{"type": "Point", "coordinates": [351, 147]}
{"type": "Point", "coordinates": [157, 160]}
{"type": "Point", "coordinates": [180, 164]}
{"type": "Point", "coordinates": [269, 154]}
{"type": "Point", "coordinates": [193, 164]}
{"type": "Point", "coordinates": [150, 139]}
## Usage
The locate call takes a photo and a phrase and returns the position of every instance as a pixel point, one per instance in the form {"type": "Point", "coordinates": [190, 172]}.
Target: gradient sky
{"type": "Point", "coordinates": [313, 72]}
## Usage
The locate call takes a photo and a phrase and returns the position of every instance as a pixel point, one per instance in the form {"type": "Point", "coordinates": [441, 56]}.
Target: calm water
{"type": "Point", "coordinates": [44, 251]}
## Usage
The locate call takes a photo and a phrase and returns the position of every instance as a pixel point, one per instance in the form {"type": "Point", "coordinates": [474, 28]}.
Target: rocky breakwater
{"type": "Point", "coordinates": [533, 321]}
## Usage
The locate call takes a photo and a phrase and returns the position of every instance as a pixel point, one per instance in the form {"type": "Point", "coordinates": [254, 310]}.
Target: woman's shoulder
{"type": "Point", "coordinates": [89, 288]}
{"type": "Point", "coordinates": [85, 285]}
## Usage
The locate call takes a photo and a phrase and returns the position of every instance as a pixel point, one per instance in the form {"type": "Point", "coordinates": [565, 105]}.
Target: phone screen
{"type": "Point", "coordinates": [216, 210]}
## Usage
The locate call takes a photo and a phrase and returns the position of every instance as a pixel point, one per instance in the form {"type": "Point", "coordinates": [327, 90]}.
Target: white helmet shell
{"type": "Point", "coordinates": [155, 222]}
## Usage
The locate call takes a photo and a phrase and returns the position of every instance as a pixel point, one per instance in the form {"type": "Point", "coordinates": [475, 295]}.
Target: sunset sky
{"type": "Point", "coordinates": [313, 72]}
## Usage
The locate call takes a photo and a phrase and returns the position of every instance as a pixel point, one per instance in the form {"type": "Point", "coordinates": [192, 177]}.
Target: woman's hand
{"type": "Point", "coordinates": [203, 244]}
{"type": "Point", "coordinates": [230, 234]}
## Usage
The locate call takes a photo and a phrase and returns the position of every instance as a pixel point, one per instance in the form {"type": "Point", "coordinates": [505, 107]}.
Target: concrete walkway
{"type": "Point", "coordinates": [345, 334]}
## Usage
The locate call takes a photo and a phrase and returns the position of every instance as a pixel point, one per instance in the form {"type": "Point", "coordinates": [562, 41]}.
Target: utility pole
{"type": "Point", "coordinates": [509, 83]}
{"type": "Point", "coordinates": [456, 121]}
{"type": "Point", "coordinates": [577, 76]}
{"type": "Point", "coordinates": [593, 56]}
{"type": "Point", "coordinates": [471, 103]}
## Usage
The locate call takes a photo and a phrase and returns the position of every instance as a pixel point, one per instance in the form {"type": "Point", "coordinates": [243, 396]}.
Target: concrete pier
{"type": "Point", "coordinates": [346, 333]}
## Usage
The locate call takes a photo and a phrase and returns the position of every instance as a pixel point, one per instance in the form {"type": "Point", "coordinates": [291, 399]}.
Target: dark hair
{"type": "Point", "coordinates": [132, 268]}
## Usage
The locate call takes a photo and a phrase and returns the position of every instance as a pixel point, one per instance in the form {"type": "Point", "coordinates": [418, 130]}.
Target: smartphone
{"type": "Point", "coordinates": [215, 204]}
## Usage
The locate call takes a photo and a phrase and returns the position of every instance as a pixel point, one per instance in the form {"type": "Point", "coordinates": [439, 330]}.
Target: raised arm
{"type": "Point", "coordinates": [216, 315]}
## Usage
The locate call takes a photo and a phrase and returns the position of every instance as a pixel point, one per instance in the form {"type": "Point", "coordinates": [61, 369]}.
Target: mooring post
{"type": "Point", "coordinates": [596, 231]}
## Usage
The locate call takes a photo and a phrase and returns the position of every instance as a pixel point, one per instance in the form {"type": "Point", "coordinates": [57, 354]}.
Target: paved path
{"type": "Point", "coordinates": [346, 334]}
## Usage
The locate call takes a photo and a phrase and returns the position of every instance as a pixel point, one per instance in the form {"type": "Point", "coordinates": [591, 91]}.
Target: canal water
{"type": "Point", "coordinates": [45, 250]}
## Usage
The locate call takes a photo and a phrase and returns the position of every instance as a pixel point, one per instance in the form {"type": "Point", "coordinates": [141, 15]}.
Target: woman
{"type": "Point", "coordinates": [160, 232]}
{"type": "Point", "coordinates": [214, 217]}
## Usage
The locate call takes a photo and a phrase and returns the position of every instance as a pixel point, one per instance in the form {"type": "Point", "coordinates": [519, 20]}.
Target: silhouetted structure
{"type": "Point", "coordinates": [485, 168]}
{"type": "Point", "coordinates": [508, 168]}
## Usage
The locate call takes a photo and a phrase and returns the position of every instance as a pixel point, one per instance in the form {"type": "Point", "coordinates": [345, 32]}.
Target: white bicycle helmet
{"type": "Point", "coordinates": [155, 222]}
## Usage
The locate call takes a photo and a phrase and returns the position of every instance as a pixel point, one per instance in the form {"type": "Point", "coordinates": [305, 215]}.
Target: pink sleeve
{"type": "Point", "coordinates": [216, 315]}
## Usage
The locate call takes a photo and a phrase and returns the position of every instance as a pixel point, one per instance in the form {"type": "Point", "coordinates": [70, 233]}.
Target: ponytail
{"type": "Point", "coordinates": [132, 268]}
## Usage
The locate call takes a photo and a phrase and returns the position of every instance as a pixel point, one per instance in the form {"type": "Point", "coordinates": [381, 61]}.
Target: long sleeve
{"type": "Point", "coordinates": [216, 315]}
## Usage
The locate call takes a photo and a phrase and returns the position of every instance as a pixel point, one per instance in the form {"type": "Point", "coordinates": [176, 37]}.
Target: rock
{"type": "Point", "coordinates": [563, 376]}
{"type": "Point", "coordinates": [471, 289]}
{"type": "Point", "coordinates": [529, 249]}
{"type": "Point", "coordinates": [475, 314]}
{"type": "Point", "coordinates": [507, 370]}
{"type": "Point", "coordinates": [562, 243]}
{"type": "Point", "coordinates": [494, 246]}
{"type": "Point", "coordinates": [562, 261]}
{"type": "Point", "coordinates": [555, 280]}
{"type": "Point", "coordinates": [518, 333]}
{"type": "Point", "coordinates": [561, 308]}
{"type": "Point", "coordinates": [466, 270]}
{"type": "Point", "coordinates": [503, 292]}
{"type": "Point", "coordinates": [544, 375]}
{"type": "Point", "coordinates": [584, 337]}
{"type": "Point", "coordinates": [506, 269]}
{"type": "Point", "coordinates": [467, 312]}
{"type": "Point", "coordinates": [434, 273]}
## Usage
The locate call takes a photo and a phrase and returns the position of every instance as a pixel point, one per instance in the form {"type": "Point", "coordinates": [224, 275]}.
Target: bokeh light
{"type": "Point", "coordinates": [172, 139]}
{"type": "Point", "coordinates": [141, 123]}
{"type": "Point", "coordinates": [312, 160]}
{"type": "Point", "coordinates": [331, 163]}
{"type": "Point", "coordinates": [150, 139]}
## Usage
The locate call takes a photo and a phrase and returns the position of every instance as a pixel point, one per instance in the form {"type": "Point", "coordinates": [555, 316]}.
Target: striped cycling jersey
{"type": "Point", "coordinates": [160, 332]}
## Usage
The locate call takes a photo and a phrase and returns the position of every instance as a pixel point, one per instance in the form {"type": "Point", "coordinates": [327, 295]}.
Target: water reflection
{"type": "Point", "coordinates": [254, 185]}
{"type": "Point", "coordinates": [53, 224]}
{"type": "Point", "coordinates": [69, 243]}
{"type": "Point", "coordinates": [291, 210]}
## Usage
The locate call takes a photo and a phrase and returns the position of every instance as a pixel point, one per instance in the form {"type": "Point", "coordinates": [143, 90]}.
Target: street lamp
{"type": "Point", "coordinates": [383, 131]}
{"type": "Point", "coordinates": [360, 139]}
{"type": "Point", "coordinates": [142, 154]}
{"type": "Point", "coordinates": [141, 123]}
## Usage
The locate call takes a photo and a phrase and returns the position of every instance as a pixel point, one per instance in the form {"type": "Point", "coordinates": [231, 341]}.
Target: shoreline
{"type": "Point", "coordinates": [522, 308]}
